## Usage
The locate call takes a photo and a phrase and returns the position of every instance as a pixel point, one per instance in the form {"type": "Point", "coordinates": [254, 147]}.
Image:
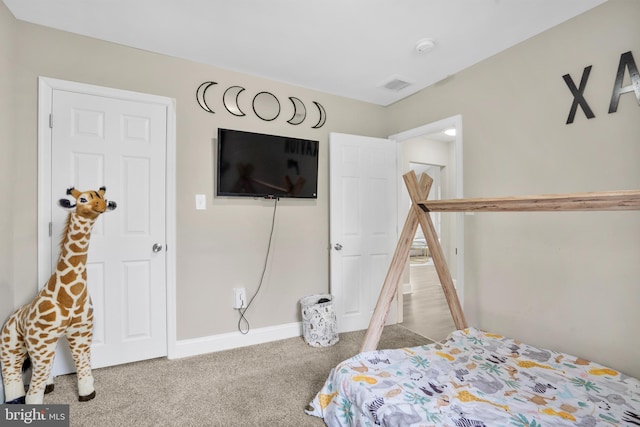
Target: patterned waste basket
{"type": "Point", "coordinates": [319, 325]}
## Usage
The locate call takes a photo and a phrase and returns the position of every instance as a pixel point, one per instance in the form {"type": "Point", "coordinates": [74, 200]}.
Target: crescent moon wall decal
{"type": "Point", "coordinates": [299, 111]}
{"type": "Point", "coordinates": [200, 96]}
{"type": "Point", "coordinates": [230, 100]}
{"type": "Point", "coordinates": [323, 116]}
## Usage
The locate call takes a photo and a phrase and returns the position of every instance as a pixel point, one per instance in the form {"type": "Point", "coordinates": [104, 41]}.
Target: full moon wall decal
{"type": "Point", "coordinates": [265, 105]}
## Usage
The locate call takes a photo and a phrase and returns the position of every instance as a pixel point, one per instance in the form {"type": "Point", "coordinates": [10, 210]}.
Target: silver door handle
{"type": "Point", "coordinates": [338, 247]}
{"type": "Point", "coordinates": [156, 247]}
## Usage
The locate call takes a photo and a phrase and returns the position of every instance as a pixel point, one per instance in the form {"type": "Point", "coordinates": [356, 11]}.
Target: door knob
{"type": "Point", "coordinates": [157, 247]}
{"type": "Point", "coordinates": [338, 247]}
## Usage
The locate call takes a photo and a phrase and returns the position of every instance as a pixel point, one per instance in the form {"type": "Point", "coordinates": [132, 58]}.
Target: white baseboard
{"type": "Point", "coordinates": [213, 343]}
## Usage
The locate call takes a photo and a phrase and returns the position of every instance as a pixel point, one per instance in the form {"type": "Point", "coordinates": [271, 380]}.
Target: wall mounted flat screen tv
{"type": "Point", "coordinates": [258, 165]}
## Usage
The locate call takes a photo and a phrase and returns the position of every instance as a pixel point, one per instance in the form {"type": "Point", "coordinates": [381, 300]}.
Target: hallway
{"type": "Point", "coordinates": [425, 309]}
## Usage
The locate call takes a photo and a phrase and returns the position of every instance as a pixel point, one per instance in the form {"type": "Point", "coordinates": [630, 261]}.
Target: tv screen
{"type": "Point", "coordinates": [258, 165]}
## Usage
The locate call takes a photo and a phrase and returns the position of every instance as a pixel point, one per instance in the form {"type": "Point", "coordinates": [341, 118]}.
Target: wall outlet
{"type": "Point", "coordinates": [239, 298]}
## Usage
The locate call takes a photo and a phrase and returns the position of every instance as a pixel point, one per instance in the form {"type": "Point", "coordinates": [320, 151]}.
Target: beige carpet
{"type": "Point", "coordinates": [263, 385]}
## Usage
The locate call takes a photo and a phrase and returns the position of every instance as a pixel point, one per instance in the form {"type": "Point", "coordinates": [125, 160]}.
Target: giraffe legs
{"type": "Point", "coordinates": [80, 337]}
{"type": "Point", "coordinates": [41, 365]}
{"type": "Point", "coordinates": [13, 355]}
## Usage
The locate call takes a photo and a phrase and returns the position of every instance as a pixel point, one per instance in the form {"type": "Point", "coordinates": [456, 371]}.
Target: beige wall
{"type": "Point", "coordinates": [217, 249]}
{"type": "Point", "coordinates": [6, 153]}
{"type": "Point", "coordinates": [568, 281]}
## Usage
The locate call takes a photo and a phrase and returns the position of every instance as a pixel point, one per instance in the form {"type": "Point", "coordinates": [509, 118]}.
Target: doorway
{"type": "Point", "coordinates": [436, 149]}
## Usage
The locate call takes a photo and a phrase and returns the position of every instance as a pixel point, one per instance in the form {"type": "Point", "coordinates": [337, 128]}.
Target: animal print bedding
{"type": "Point", "coordinates": [476, 379]}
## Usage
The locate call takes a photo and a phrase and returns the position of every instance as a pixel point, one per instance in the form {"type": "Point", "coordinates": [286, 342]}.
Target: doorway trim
{"type": "Point", "coordinates": [46, 86]}
{"type": "Point", "coordinates": [428, 129]}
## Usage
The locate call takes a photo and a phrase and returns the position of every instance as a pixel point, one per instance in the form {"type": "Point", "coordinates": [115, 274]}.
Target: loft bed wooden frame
{"type": "Point", "coordinates": [419, 215]}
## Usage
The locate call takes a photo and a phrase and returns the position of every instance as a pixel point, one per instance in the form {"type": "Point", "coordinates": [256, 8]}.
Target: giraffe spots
{"type": "Point", "coordinates": [64, 312]}
{"type": "Point", "coordinates": [76, 260]}
{"type": "Point", "coordinates": [64, 298]}
{"type": "Point", "coordinates": [77, 288]}
{"type": "Point", "coordinates": [78, 237]}
{"type": "Point", "coordinates": [75, 248]}
{"type": "Point", "coordinates": [45, 306]}
{"type": "Point", "coordinates": [49, 317]}
{"type": "Point", "coordinates": [40, 326]}
{"type": "Point", "coordinates": [70, 277]}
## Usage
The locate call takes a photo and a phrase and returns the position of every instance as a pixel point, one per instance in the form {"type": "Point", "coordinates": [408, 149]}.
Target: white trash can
{"type": "Point", "coordinates": [319, 325]}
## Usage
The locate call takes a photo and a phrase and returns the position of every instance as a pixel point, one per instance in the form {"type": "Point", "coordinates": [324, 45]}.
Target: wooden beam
{"type": "Point", "coordinates": [394, 274]}
{"type": "Point", "coordinates": [605, 201]}
{"type": "Point", "coordinates": [437, 254]}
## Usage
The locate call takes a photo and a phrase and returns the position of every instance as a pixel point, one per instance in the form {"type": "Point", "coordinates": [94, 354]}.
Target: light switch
{"type": "Point", "coordinates": [201, 202]}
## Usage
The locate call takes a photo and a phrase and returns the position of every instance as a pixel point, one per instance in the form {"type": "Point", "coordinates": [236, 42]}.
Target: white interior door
{"type": "Point", "coordinates": [363, 184]}
{"type": "Point", "coordinates": [122, 145]}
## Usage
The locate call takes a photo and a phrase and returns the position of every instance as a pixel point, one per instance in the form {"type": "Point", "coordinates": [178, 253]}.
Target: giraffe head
{"type": "Point", "coordinates": [89, 204]}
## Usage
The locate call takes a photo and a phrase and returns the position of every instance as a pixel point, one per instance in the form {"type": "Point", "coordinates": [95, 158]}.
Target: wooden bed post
{"type": "Point", "coordinates": [394, 274]}
{"type": "Point", "coordinates": [439, 260]}
{"type": "Point", "coordinates": [416, 216]}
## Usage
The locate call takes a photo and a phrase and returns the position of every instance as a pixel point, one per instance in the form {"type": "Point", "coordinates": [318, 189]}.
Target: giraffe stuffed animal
{"type": "Point", "coordinates": [62, 306]}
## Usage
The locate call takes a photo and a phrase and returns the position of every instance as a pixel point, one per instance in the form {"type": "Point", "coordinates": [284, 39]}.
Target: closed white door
{"type": "Point", "coordinates": [363, 184]}
{"type": "Point", "coordinates": [120, 144]}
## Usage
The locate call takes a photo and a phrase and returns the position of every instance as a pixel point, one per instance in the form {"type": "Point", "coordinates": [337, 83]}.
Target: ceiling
{"type": "Point", "coordinates": [350, 48]}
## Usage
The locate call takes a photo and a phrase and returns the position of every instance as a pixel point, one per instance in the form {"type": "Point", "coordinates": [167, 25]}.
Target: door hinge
{"type": "Point", "coordinates": [50, 229]}
{"type": "Point", "coordinates": [51, 121]}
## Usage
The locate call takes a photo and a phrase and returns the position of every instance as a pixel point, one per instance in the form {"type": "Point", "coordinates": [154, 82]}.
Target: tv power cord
{"type": "Point", "coordinates": [243, 322]}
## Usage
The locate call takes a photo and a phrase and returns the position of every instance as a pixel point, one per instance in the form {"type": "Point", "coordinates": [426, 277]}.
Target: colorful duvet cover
{"type": "Point", "coordinates": [476, 379]}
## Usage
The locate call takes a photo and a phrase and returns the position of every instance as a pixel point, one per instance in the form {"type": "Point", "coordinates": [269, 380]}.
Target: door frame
{"type": "Point", "coordinates": [46, 86]}
{"type": "Point", "coordinates": [428, 129]}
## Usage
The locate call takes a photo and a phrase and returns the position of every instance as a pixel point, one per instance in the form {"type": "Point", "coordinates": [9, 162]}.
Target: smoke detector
{"type": "Point", "coordinates": [425, 45]}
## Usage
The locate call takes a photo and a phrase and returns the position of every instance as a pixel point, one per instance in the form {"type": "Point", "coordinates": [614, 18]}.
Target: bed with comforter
{"type": "Point", "coordinates": [476, 379]}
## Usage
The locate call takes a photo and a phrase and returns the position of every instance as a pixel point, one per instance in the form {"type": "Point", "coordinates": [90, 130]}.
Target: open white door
{"type": "Point", "coordinates": [363, 187]}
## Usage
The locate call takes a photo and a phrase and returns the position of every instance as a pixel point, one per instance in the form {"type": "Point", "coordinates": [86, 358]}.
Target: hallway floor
{"type": "Point", "coordinates": [425, 309]}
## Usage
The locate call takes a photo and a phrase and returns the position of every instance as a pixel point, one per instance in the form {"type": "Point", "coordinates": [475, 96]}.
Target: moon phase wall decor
{"type": "Point", "coordinates": [266, 105]}
{"type": "Point", "coordinates": [323, 116]}
{"type": "Point", "coordinates": [200, 96]}
{"type": "Point", "coordinates": [299, 111]}
{"type": "Point", "coordinates": [230, 100]}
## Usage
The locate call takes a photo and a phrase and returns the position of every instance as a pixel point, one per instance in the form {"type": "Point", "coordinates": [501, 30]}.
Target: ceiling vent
{"type": "Point", "coordinates": [396, 84]}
